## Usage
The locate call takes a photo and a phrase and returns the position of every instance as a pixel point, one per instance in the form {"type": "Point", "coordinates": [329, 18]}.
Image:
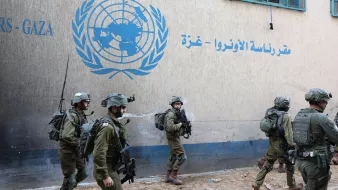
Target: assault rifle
{"type": "Point", "coordinates": [186, 124]}
{"type": "Point", "coordinates": [126, 166]}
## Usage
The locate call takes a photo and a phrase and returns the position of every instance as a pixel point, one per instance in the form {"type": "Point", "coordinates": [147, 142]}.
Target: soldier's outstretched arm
{"type": "Point", "coordinates": [330, 128]}
{"type": "Point", "coordinates": [100, 151]}
{"type": "Point", "coordinates": [169, 122]}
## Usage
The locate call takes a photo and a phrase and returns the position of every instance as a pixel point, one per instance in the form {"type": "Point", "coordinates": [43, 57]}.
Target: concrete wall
{"type": "Point", "coordinates": [225, 91]}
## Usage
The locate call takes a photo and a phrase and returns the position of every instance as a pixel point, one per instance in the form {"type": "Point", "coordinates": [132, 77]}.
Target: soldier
{"type": "Point", "coordinates": [313, 130]}
{"type": "Point", "coordinates": [108, 143]}
{"type": "Point", "coordinates": [173, 126]}
{"type": "Point", "coordinates": [69, 151]}
{"type": "Point", "coordinates": [279, 143]}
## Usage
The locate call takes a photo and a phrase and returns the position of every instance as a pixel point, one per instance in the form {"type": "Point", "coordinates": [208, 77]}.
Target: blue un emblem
{"type": "Point", "coordinates": [120, 37]}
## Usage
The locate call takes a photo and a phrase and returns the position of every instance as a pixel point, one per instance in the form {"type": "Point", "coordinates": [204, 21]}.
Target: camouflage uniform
{"type": "Point", "coordinates": [69, 152]}
{"type": "Point", "coordinates": [316, 127]}
{"type": "Point", "coordinates": [334, 155]}
{"type": "Point", "coordinates": [278, 146]}
{"type": "Point", "coordinates": [173, 132]}
{"type": "Point", "coordinates": [110, 138]}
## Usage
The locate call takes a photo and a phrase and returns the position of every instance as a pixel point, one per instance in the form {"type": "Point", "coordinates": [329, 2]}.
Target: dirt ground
{"type": "Point", "coordinates": [240, 179]}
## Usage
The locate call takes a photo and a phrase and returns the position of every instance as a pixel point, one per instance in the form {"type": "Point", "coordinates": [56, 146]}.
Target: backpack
{"type": "Point", "coordinates": [159, 120]}
{"type": "Point", "coordinates": [56, 124]}
{"type": "Point", "coordinates": [272, 122]}
{"type": "Point", "coordinates": [88, 135]}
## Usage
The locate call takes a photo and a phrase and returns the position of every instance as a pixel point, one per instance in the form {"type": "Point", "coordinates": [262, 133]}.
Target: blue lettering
{"type": "Point", "coordinates": [42, 25]}
{"type": "Point", "coordinates": [49, 30]}
{"type": "Point", "coordinates": [9, 25]}
{"type": "Point", "coordinates": [26, 29]}
{"type": "Point", "coordinates": [38, 28]}
{"type": "Point", "coordinates": [2, 22]}
{"type": "Point", "coordinates": [34, 29]}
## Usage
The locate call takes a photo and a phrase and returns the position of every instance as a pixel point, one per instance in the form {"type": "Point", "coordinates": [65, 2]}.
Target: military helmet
{"type": "Point", "coordinates": [282, 102]}
{"type": "Point", "coordinates": [175, 99]}
{"type": "Point", "coordinates": [317, 95]}
{"type": "Point", "coordinates": [114, 99]}
{"type": "Point", "coordinates": [79, 97]}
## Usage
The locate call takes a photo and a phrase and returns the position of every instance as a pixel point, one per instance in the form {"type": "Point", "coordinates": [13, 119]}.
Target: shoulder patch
{"type": "Point", "coordinates": [105, 124]}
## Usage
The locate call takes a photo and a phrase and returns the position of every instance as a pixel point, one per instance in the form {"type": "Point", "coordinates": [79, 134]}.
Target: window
{"type": "Point", "coordinates": [298, 5]}
{"type": "Point", "coordinates": [334, 8]}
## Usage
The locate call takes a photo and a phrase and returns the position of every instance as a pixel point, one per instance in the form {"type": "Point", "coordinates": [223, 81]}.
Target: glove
{"type": "Point", "coordinates": [184, 125]}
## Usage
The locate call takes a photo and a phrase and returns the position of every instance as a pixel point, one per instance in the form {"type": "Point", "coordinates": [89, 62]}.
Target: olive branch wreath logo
{"type": "Point", "coordinates": [91, 60]}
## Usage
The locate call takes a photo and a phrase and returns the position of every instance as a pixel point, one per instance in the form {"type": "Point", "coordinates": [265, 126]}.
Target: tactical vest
{"type": "Point", "coordinates": [302, 132]}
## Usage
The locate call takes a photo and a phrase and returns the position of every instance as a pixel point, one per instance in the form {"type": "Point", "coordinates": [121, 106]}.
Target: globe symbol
{"type": "Point", "coordinates": [121, 33]}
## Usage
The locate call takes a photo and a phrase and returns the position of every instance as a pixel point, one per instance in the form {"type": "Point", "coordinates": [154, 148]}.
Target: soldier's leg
{"type": "Point", "coordinates": [316, 178]}
{"type": "Point", "coordinates": [180, 158]}
{"type": "Point", "coordinates": [171, 160]}
{"type": "Point", "coordinates": [290, 178]}
{"type": "Point", "coordinates": [68, 164]}
{"type": "Point", "coordinates": [81, 167]}
{"type": "Point", "coordinates": [170, 164]}
{"type": "Point", "coordinates": [267, 167]}
{"type": "Point", "coordinates": [301, 165]}
{"type": "Point", "coordinates": [270, 158]}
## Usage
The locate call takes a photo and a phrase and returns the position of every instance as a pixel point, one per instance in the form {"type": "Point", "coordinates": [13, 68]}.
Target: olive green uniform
{"type": "Point", "coordinates": [69, 152]}
{"type": "Point", "coordinates": [107, 144]}
{"type": "Point", "coordinates": [315, 170]}
{"type": "Point", "coordinates": [278, 150]}
{"type": "Point", "coordinates": [173, 132]}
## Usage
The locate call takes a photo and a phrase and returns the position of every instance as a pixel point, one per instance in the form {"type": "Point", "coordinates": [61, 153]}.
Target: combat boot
{"type": "Point", "coordinates": [255, 186]}
{"type": "Point", "coordinates": [296, 187]}
{"type": "Point", "coordinates": [167, 179]}
{"type": "Point", "coordinates": [174, 179]}
{"type": "Point", "coordinates": [281, 168]}
{"type": "Point", "coordinates": [260, 162]}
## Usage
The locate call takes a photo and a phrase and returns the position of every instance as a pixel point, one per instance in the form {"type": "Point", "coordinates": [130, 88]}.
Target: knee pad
{"type": "Point", "coordinates": [181, 159]}
{"type": "Point", "coordinates": [172, 158]}
{"type": "Point", "coordinates": [268, 166]}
